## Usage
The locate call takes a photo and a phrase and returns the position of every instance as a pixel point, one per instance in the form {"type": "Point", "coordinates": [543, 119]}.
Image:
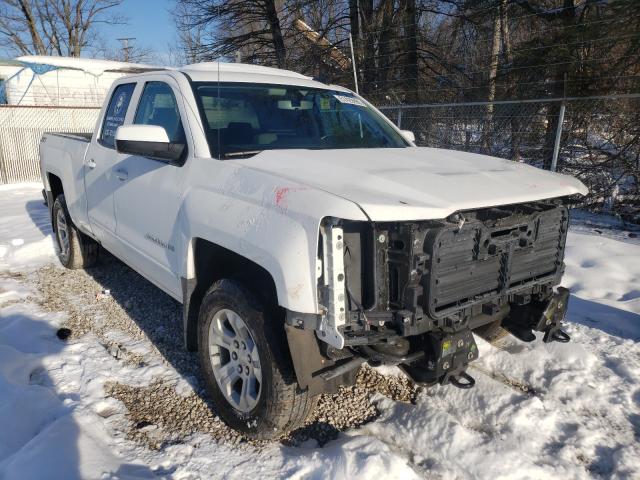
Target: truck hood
{"type": "Point", "coordinates": [415, 183]}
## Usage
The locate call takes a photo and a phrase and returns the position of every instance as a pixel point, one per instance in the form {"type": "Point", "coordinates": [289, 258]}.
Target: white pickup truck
{"type": "Point", "coordinates": [305, 234]}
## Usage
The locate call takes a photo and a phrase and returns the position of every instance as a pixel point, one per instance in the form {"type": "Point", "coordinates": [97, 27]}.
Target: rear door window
{"type": "Point", "coordinates": [116, 113]}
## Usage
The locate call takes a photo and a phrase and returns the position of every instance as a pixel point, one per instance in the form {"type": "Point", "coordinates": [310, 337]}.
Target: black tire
{"type": "Point", "coordinates": [78, 251]}
{"type": "Point", "coordinates": [281, 405]}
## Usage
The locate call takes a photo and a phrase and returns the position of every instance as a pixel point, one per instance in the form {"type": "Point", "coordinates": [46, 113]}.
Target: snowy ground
{"type": "Point", "coordinates": [537, 411]}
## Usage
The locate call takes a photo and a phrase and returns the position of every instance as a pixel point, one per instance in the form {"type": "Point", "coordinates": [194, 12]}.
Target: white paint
{"type": "Point", "coordinates": [267, 208]}
{"type": "Point", "coordinates": [212, 68]}
{"type": "Point", "coordinates": [142, 133]}
{"type": "Point", "coordinates": [244, 73]}
{"type": "Point", "coordinates": [415, 183]}
{"type": "Point", "coordinates": [334, 280]}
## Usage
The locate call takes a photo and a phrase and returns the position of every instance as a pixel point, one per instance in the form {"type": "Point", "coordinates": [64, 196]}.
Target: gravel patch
{"type": "Point", "coordinates": [112, 300]}
{"type": "Point", "coordinates": [133, 307]}
{"type": "Point", "coordinates": [160, 416]}
{"type": "Point", "coordinates": [352, 407]}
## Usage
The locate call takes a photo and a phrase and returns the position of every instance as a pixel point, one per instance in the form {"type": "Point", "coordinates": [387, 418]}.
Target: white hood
{"type": "Point", "coordinates": [415, 183]}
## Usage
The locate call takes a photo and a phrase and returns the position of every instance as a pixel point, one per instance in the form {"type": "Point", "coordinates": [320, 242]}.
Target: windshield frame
{"type": "Point", "coordinates": [215, 153]}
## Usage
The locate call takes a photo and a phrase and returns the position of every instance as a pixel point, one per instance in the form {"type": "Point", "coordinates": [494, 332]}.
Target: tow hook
{"type": "Point", "coordinates": [556, 336]}
{"type": "Point", "coordinates": [446, 359]}
{"type": "Point", "coordinates": [551, 320]}
{"type": "Point", "coordinates": [540, 317]}
{"type": "Point", "coordinates": [455, 380]}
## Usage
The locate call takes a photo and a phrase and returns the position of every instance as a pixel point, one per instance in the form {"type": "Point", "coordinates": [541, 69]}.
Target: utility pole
{"type": "Point", "coordinates": [126, 48]}
{"type": "Point", "coordinates": [556, 145]}
{"type": "Point", "coordinates": [353, 62]}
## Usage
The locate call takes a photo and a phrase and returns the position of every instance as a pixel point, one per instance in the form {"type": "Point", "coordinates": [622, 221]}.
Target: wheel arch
{"type": "Point", "coordinates": [55, 188]}
{"type": "Point", "coordinates": [209, 262]}
{"type": "Point", "coordinates": [55, 184]}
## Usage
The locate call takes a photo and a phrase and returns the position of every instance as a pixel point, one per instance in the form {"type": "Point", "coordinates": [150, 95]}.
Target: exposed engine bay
{"type": "Point", "coordinates": [412, 293]}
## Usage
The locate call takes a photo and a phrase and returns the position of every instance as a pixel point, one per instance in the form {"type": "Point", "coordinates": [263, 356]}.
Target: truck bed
{"type": "Point", "coordinates": [82, 136]}
{"type": "Point", "coordinates": [62, 155]}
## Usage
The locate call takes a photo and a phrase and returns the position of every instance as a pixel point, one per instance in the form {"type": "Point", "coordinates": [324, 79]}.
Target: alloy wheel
{"type": "Point", "coordinates": [234, 359]}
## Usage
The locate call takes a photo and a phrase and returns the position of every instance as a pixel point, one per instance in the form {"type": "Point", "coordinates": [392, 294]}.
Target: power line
{"type": "Point", "coordinates": [433, 91]}
{"type": "Point", "coordinates": [524, 67]}
{"type": "Point", "coordinates": [509, 84]}
{"type": "Point", "coordinates": [509, 18]}
{"type": "Point", "coordinates": [622, 96]}
{"type": "Point", "coordinates": [478, 42]}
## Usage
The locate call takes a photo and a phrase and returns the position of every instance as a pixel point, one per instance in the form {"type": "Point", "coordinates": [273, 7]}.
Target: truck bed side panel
{"type": "Point", "coordinates": [63, 156]}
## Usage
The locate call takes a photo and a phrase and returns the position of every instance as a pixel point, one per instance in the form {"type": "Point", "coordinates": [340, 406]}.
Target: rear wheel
{"type": "Point", "coordinates": [246, 365]}
{"type": "Point", "coordinates": [75, 249]}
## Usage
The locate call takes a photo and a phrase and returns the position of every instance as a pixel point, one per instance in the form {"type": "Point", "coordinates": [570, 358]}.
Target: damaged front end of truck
{"type": "Point", "coordinates": [413, 293]}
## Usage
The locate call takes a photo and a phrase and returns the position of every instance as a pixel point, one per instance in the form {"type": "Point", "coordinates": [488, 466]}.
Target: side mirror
{"type": "Point", "coordinates": [149, 141]}
{"type": "Point", "coordinates": [408, 135]}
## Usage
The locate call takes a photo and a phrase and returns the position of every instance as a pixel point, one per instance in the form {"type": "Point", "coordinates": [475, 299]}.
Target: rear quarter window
{"type": "Point", "coordinates": [116, 113]}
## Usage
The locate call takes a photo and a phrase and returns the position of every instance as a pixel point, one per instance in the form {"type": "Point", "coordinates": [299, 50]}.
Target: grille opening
{"type": "Point", "coordinates": [397, 245]}
{"type": "Point", "coordinates": [503, 233]}
{"type": "Point", "coordinates": [451, 284]}
{"type": "Point", "coordinates": [393, 285]}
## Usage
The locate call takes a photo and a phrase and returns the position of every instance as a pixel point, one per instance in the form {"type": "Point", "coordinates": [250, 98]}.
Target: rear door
{"type": "Point", "coordinates": [100, 159]}
{"type": "Point", "coordinates": [147, 199]}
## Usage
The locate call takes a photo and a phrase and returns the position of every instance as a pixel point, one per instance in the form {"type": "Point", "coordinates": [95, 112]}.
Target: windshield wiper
{"type": "Point", "coordinates": [246, 153]}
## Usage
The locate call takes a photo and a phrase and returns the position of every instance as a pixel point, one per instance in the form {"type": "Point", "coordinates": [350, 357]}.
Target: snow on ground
{"type": "Point", "coordinates": [24, 227]}
{"type": "Point", "coordinates": [538, 410]}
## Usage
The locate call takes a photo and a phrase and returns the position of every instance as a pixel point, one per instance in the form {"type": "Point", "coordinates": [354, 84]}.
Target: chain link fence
{"type": "Point", "coordinates": [21, 129]}
{"type": "Point", "coordinates": [595, 138]}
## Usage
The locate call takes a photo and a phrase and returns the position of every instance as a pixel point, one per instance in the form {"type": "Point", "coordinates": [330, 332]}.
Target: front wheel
{"type": "Point", "coordinates": [246, 365]}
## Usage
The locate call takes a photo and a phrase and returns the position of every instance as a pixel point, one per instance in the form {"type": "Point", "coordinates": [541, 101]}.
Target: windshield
{"type": "Point", "coordinates": [244, 119]}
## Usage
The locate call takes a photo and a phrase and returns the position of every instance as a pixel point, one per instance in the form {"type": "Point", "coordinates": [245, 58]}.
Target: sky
{"type": "Point", "coordinates": [149, 21]}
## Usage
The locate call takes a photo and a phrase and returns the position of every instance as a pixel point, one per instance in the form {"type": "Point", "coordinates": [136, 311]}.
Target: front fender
{"type": "Point", "coordinates": [272, 222]}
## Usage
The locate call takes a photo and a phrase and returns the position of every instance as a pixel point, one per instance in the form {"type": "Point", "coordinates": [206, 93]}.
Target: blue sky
{"type": "Point", "coordinates": [149, 21]}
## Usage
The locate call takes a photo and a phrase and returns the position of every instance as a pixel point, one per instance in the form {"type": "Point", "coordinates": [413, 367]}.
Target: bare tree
{"type": "Point", "coordinates": [190, 35]}
{"type": "Point", "coordinates": [53, 27]}
{"type": "Point", "coordinates": [577, 48]}
{"type": "Point", "coordinates": [252, 27]}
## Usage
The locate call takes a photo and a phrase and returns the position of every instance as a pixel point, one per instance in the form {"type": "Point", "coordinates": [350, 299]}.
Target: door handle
{"type": "Point", "coordinates": [122, 174]}
{"type": "Point", "coordinates": [91, 163]}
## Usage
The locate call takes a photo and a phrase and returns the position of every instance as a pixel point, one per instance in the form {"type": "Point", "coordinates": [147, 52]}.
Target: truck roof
{"type": "Point", "coordinates": [242, 72]}
{"type": "Point", "coordinates": [222, 67]}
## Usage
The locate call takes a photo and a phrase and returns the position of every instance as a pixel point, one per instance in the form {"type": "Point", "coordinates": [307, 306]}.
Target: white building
{"type": "Point", "coordinates": [60, 81]}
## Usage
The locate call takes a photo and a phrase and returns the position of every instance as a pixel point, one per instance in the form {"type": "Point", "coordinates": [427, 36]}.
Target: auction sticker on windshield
{"type": "Point", "coordinates": [349, 100]}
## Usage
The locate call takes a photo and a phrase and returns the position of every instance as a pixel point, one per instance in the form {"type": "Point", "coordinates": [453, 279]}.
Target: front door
{"type": "Point", "coordinates": [147, 200]}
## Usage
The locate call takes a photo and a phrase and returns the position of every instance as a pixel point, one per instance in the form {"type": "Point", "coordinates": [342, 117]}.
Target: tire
{"type": "Point", "coordinates": [274, 404]}
{"type": "Point", "coordinates": [75, 249]}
